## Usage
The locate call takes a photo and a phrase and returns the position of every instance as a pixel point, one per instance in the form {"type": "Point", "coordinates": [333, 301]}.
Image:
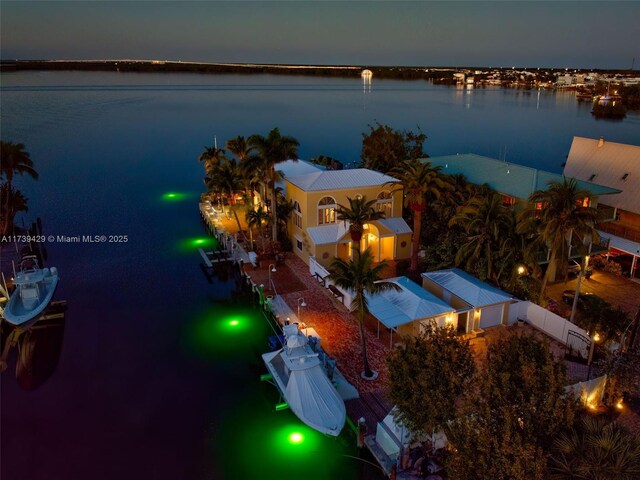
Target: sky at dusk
{"type": "Point", "coordinates": [600, 34]}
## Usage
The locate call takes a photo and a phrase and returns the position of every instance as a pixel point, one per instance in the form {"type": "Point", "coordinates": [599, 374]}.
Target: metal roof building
{"type": "Point", "coordinates": [505, 177]}
{"type": "Point", "coordinates": [472, 290]}
{"type": "Point", "coordinates": [412, 302]}
{"type": "Point", "coordinates": [340, 179]}
{"type": "Point", "coordinates": [615, 165]}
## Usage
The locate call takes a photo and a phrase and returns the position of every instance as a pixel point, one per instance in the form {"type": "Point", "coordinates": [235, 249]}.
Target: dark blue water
{"type": "Point", "coordinates": [148, 385]}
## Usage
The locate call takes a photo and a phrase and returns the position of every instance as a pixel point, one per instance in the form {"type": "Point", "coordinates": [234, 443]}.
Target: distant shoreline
{"type": "Point", "coordinates": [354, 71]}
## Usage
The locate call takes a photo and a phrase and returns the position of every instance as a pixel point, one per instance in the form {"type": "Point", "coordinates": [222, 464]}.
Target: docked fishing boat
{"type": "Point", "coordinates": [34, 289]}
{"type": "Point", "coordinates": [301, 378]}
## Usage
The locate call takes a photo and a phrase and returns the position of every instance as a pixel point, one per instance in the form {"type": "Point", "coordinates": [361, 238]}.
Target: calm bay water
{"type": "Point", "coordinates": [151, 382]}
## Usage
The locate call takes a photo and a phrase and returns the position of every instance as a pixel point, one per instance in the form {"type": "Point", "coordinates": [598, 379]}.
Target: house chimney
{"type": "Point", "coordinates": [601, 142]}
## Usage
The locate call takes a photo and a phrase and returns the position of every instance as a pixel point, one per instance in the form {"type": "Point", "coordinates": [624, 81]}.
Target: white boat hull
{"type": "Point", "coordinates": [19, 311]}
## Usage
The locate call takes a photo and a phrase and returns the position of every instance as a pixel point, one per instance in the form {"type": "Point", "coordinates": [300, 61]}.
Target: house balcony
{"type": "Point", "coordinates": [605, 213]}
{"type": "Point", "coordinates": [596, 248]}
{"type": "Point", "coordinates": [623, 231]}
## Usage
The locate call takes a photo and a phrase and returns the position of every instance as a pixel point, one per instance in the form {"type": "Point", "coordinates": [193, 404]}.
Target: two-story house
{"type": "Point", "coordinates": [315, 230]}
{"type": "Point", "coordinates": [615, 165]}
{"type": "Point", "coordinates": [517, 182]}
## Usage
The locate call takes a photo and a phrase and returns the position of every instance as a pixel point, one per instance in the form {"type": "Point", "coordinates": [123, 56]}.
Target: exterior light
{"type": "Point", "coordinates": [521, 270]}
{"type": "Point", "coordinates": [301, 303]}
{"type": "Point", "coordinates": [596, 337]}
{"type": "Point", "coordinates": [619, 405]}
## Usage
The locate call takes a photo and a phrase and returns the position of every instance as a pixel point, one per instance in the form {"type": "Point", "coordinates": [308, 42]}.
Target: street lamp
{"type": "Point", "coordinates": [595, 339]}
{"type": "Point", "coordinates": [301, 303]}
{"type": "Point", "coordinates": [272, 268]}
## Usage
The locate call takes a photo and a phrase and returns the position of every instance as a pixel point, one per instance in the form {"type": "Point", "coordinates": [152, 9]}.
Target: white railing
{"type": "Point", "coordinates": [553, 325]}
{"type": "Point", "coordinates": [318, 270]}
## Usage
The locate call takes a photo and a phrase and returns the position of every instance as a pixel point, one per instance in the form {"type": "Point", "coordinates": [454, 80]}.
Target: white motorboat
{"type": "Point", "coordinates": [34, 288]}
{"type": "Point", "coordinates": [302, 381]}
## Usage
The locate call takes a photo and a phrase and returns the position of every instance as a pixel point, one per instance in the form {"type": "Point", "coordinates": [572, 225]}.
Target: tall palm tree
{"type": "Point", "coordinates": [489, 226]}
{"type": "Point", "coordinates": [227, 180]}
{"type": "Point", "coordinates": [13, 160]}
{"type": "Point", "coordinates": [419, 178]}
{"type": "Point", "coordinates": [361, 277]}
{"type": "Point", "coordinates": [285, 208]}
{"type": "Point", "coordinates": [359, 212]}
{"type": "Point", "coordinates": [244, 153]}
{"type": "Point", "coordinates": [596, 450]}
{"type": "Point", "coordinates": [12, 201]}
{"type": "Point", "coordinates": [257, 217]}
{"type": "Point", "coordinates": [270, 150]}
{"type": "Point", "coordinates": [239, 148]}
{"type": "Point", "coordinates": [211, 157]}
{"type": "Point", "coordinates": [558, 218]}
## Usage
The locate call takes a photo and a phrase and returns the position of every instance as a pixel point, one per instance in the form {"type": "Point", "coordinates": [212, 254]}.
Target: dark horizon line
{"type": "Point", "coordinates": [297, 65]}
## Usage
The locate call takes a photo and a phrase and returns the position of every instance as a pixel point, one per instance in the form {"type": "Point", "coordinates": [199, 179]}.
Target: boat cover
{"type": "Point", "coordinates": [314, 399]}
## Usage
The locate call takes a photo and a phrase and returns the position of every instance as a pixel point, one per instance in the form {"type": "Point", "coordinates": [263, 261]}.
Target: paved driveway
{"type": "Point", "coordinates": [618, 291]}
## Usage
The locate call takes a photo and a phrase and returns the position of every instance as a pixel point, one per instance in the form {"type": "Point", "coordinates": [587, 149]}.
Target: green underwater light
{"type": "Point", "coordinates": [233, 323]}
{"type": "Point", "coordinates": [173, 196]}
{"type": "Point", "coordinates": [296, 438]}
{"type": "Point", "coordinates": [194, 243]}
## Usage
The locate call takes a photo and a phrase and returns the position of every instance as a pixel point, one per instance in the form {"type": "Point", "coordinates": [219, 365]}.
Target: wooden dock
{"type": "Point", "coordinates": [372, 406]}
{"type": "Point", "coordinates": [228, 242]}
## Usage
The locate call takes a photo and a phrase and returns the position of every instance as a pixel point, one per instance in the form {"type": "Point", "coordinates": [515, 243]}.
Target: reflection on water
{"type": "Point", "coordinates": [154, 380]}
{"type": "Point", "coordinates": [35, 349]}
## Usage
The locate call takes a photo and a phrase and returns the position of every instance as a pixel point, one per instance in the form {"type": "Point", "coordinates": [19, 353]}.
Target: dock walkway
{"type": "Point", "coordinates": [228, 242]}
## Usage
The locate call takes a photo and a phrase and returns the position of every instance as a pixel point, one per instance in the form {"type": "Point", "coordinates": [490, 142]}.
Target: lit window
{"type": "Point", "coordinates": [384, 203]}
{"type": "Point", "coordinates": [326, 210]}
{"type": "Point", "coordinates": [508, 201]}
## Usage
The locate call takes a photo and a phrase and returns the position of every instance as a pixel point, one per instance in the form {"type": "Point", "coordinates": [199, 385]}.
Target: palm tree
{"type": "Point", "coordinates": [557, 217]}
{"type": "Point", "coordinates": [243, 152]}
{"type": "Point", "coordinates": [489, 226]}
{"type": "Point", "coordinates": [359, 212]}
{"type": "Point", "coordinates": [13, 160]}
{"type": "Point", "coordinates": [257, 218]}
{"type": "Point", "coordinates": [596, 450]}
{"type": "Point", "coordinates": [418, 179]}
{"type": "Point", "coordinates": [270, 150]}
{"type": "Point", "coordinates": [12, 201]}
{"type": "Point", "coordinates": [227, 180]}
{"type": "Point", "coordinates": [285, 207]}
{"type": "Point", "coordinates": [239, 148]}
{"type": "Point", "coordinates": [211, 157]}
{"type": "Point", "coordinates": [361, 277]}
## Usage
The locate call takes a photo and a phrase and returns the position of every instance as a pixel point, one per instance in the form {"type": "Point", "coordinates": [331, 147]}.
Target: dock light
{"type": "Point", "coordinates": [296, 438]}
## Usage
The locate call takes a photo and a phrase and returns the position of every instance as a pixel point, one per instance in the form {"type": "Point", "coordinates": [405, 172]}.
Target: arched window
{"type": "Point", "coordinates": [384, 203]}
{"type": "Point", "coordinates": [297, 215]}
{"type": "Point", "coordinates": [327, 210]}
